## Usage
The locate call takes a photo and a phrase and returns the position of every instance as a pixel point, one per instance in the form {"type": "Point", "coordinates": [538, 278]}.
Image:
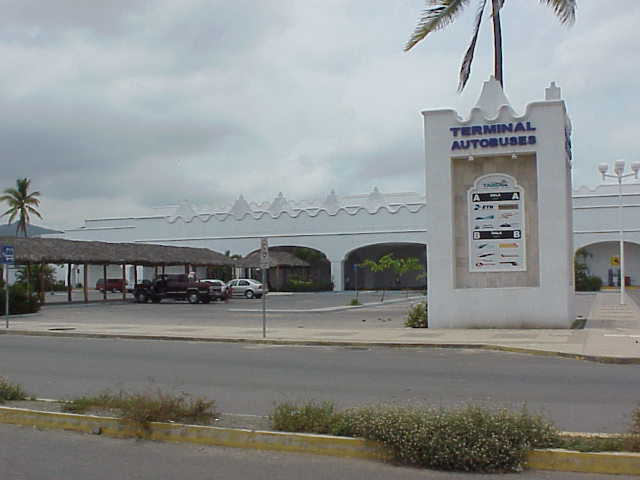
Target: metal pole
{"type": "Point", "coordinates": [620, 214]}
{"type": "Point", "coordinates": [6, 295]}
{"type": "Point", "coordinates": [264, 303]}
{"type": "Point", "coordinates": [355, 267]}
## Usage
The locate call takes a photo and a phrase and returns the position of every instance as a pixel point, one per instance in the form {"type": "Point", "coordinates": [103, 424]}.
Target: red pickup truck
{"type": "Point", "coordinates": [113, 285]}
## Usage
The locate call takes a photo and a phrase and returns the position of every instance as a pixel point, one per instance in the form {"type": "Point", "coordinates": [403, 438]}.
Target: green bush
{"type": "Point", "coordinates": [633, 440]}
{"type": "Point", "coordinates": [418, 316]}
{"type": "Point", "coordinates": [19, 301]}
{"type": "Point", "coordinates": [469, 438]}
{"type": "Point", "coordinates": [588, 283]}
{"type": "Point", "coordinates": [11, 391]}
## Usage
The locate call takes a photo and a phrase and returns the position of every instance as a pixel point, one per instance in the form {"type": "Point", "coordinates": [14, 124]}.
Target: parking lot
{"type": "Point", "coordinates": [318, 310]}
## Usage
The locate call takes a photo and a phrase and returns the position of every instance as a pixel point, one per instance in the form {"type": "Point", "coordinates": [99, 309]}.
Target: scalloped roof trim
{"type": "Point", "coordinates": [476, 113]}
{"type": "Point", "coordinates": [352, 211]}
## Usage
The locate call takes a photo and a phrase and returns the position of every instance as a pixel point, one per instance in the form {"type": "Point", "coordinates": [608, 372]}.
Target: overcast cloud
{"type": "Point", "coordinates": [114, 107]}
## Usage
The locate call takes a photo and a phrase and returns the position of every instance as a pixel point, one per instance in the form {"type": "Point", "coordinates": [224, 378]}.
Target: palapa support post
{"type": "Point", "coordinates": [69, 286]}
{"type": "Point", "coordinates": [104, 278]}
{"type": "Point", "coordinates": [163, 269]}
{"type": "Point", "coordinates": [41, 278]}
{"type": "Point", "coordinates": [135, 276]}
{"type": "Point", "coordinates": [85, 288]}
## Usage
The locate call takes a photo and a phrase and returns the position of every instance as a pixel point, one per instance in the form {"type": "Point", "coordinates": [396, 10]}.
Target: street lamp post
{"type": "Point", "coordinates": [619, 175]}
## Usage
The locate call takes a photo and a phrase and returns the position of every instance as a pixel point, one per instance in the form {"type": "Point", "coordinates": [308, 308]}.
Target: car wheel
{"type": "Point", "coordinates": [192, 298]}
{"type": "Point", "coordinates": [248, 294]}
{"type": "Point", "coordinates": [141, 297]}
{"type": "Point", "coordinates": [205, 299]}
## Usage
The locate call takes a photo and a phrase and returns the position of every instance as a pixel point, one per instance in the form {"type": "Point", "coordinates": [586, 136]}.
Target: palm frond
{"type": "Point", "coordinates": [440, 14]}
{"type": "Point", "coordinates": [34, 211]}
{"type": "Point", "coordinates": [465, 68]}
{"type": "Point", "coordinates": [564, 9]}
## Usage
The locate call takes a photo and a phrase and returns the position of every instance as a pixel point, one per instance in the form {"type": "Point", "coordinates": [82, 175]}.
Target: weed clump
{"type": "Point", "coordinates": [633, 439]}
{"type": "Point", "coordinates": [418, 316]}
{"type": "Point", "coordinates": [143, 408]}
{"type": "Point", "coordinates": [11, 391]}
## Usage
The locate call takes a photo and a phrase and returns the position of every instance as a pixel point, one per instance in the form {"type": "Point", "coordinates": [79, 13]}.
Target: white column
{"type": "Point", "coordinates": [337, 275]}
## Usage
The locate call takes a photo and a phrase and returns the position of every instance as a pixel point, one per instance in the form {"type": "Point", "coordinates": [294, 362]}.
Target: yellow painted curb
{"type": "Point", "coordinates": [203, 435]}
{"type": "Point", "coordinates": [598, 462]}
{"type": "Point", "coordinates": [551, 459]}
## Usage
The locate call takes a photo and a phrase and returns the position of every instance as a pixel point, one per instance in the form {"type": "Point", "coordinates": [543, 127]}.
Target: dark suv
{"type": "Point", "coordinates": [177, 287]}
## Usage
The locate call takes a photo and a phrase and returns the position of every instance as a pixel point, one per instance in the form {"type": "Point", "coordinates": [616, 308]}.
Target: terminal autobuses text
{"type": "Point", "coordinates": [495, 129]}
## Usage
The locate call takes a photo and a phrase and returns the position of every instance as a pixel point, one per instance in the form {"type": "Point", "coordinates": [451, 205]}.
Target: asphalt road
{"type": "Point", "coordinates": [577, 395]}
{"type": "Point", "coordinates": [41, 455]}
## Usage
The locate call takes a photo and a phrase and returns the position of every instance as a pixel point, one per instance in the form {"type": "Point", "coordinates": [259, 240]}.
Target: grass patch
{"type": "Point", "coordinates": [309, 417]}
{"type": "Point", "coordinates": [470, 438]}
{"type": "Point", "coordinates": [143, 408]}
{"type": "Point", "coordinates": [355, 302]}
{"type": "Point", "coordinates": [593, 444]}
{"type": "Point", "coordinates": [11, 391]}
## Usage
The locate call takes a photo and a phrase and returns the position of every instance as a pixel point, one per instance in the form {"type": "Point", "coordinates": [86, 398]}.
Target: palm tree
{"type": "Point", "coordinates": [22, 204]}
{"type": "Point", "coordinates": [441, 13]}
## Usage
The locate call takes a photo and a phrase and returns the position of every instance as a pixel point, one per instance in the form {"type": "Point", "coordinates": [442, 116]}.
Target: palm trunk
{"type": "Point", "coordinates": [497, 42]}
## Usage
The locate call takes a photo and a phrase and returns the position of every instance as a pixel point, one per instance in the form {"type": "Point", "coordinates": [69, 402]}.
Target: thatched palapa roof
{"type": "Point", "coordinates": [58, 250]}
{"type": "Point", "coordinates": [277, 258]}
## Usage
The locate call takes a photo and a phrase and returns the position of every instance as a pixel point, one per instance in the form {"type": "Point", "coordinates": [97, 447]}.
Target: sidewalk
{"type": "Point", "coordinates": [612, 333]}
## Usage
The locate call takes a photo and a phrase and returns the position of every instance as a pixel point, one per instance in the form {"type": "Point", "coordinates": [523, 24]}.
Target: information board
{"type": "Point", "coordinates": [496, 225]}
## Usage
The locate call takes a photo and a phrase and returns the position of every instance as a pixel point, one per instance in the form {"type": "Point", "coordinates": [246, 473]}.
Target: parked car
{"type": "Point", "coordinates": [220, 290]}
{"type": "Point", "coordinates": [174, 286]}
{"type": "Point", "coordinates": [113, 285]}
{"type": "Point", "coordinates": [245, 287]}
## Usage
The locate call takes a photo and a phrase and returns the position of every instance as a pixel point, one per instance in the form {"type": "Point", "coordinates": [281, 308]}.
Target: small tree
{"type": "Point", "coordinates": [402, 266]}
{"type": "Point", "coordinates": [384, 263]}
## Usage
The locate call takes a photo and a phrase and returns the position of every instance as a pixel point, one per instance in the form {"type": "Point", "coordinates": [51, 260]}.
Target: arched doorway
{"type": "Point", "coordinates": [358, 277]}
{"type": "Point", "coordinates": [602, 259]}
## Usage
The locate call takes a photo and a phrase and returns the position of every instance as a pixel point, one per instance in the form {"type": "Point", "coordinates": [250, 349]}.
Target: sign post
{"type": "Point", "coordinates": [8, 255]}
{"type": "Point", "coordinates": [264, 266]}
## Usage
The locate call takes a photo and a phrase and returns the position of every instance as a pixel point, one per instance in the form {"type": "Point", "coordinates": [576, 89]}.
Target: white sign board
{"type": "Point", "coordinates": [264, 253]}
{"type": "Point", "coordinates": [496, 225]}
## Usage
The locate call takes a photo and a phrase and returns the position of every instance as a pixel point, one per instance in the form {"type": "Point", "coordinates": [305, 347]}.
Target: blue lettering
{"type": "Point", "coordinates": [455, 145]}
{"type": "Point", "coordinates": [505, 127]}
{"type": "Point", "coordinates": [532, 139]}
{"type": "Point", "coordinates": [464, 144]}
{"type": "Point", "coordinates": [493, 142]}
{"type": "Point", "coordinates": [530, 128]}
{"type": "Point", "coordinates": [454, 130]}
{"type": "Point", "coordinates": [490, 129]}
{"type": "Point", "coordinates": [476, 130]}
{"type": "Point", "coordinates": [484, 143]}
{"type": "Point", "coordinates": [519, 127]}
{"type": "Point", "coordinates": [522, 140]}
{"type": "Point", "coordinates": [504, 141]}
{"type": "Point", "coordinates": [466, 131]}
{"type": "Point", "coordinates": [513, 140]}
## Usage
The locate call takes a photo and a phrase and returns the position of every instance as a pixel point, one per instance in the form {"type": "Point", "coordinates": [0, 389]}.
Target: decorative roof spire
{"type": "Point", "coordinates": [240, 207]}
{"type": "Point", "coordinates": [492, 97]}
{"type": "Point", "coordinates": [331, 204]}
{"type": "Point", "coordinates": [279, 204]}
{"type": "Point", "coordinates": [375, 200]}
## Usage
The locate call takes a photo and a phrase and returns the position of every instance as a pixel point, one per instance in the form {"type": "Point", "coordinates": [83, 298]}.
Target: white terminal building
{"type": "Point", "coordinates": [349, 228]}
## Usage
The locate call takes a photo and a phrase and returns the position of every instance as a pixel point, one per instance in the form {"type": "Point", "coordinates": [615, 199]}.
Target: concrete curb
{"type": "Point", "coordinates": [337, 343]}
{"type": "Point", "coordinates": [552, 459]}
{"type": "Point", "coordinates": [593, 462]}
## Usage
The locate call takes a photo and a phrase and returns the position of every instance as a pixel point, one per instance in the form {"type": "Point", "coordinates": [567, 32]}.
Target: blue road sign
{"type": "Point", "coordinates": [8, 255]}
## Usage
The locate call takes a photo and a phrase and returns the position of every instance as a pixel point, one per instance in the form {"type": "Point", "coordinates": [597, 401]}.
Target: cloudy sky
{"type": "Point", "coordinates": [115, 107]}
